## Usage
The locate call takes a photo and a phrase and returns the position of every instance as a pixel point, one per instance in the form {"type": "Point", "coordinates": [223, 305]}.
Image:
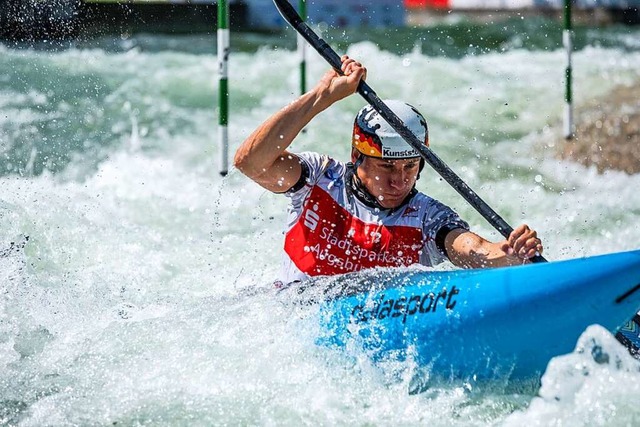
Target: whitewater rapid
{"type": "Point", "coordinates": [143, 293]}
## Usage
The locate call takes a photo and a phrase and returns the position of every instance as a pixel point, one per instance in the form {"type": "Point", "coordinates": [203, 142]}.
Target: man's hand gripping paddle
{"type": "Point", "coordinates": [291, 16]}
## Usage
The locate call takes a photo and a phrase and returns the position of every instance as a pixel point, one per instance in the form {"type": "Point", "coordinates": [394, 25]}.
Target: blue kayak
{"type": "Point", "coordinates": [477, 323]}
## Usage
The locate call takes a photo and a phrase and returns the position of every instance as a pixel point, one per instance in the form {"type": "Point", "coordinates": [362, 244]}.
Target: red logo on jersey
{"type": "Point", "coordinates": [328, 240]}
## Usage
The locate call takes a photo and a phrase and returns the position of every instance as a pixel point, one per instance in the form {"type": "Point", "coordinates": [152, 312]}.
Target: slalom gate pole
{"type": "Point", "coordinates": [223, 85]}
{"type": "Point", "coordinates": [567, 36]}
{"type": "Point", "coordinates": [302, 49]}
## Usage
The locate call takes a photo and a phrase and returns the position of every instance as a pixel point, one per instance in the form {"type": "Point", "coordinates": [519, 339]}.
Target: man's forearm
{"type": "Point", "coordinates": [267, 144]}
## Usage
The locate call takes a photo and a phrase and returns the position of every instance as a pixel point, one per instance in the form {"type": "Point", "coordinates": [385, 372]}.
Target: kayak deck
{"type": "Point", "coordinates": [481, 323]}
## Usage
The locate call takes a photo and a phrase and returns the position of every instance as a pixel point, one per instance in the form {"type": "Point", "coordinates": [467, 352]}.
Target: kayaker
{"type": "Point", "coordinates": [366, 213]}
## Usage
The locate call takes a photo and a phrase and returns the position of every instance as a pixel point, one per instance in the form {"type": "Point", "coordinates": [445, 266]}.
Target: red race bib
{"type": "Point", "coordinates": [328, 240]}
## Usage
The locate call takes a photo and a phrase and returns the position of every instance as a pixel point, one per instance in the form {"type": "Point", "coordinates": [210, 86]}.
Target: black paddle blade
{"type": "Point", "coordinates": [629, 336]}
{"type": "Point", "coordinates": [288, 12]}
{"type": "Point", "coordinates": [293, 18]}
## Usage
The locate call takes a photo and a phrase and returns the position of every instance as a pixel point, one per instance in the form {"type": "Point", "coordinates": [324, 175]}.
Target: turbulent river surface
{"type": "Point", "coordinates": [135, 281]}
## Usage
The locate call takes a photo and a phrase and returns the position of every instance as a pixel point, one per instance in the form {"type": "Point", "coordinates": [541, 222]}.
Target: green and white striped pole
{"type": "Point", "coordinates": [302, 49]}
{"type": "Point", "coordinates": [223, 85]}
{"type": "Point", "coordinates": [567, 36]}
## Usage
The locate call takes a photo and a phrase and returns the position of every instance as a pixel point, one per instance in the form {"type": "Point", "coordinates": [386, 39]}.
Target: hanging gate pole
{"type": "Point", "coordinates": [567, 35]}
{"type": "Point", "coordinates": [223, 85]}
{"type": "Point", "coordinates": [302, 49]}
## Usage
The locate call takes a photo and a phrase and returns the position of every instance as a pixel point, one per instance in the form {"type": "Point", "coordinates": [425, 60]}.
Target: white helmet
{"type": "Point", "coordinates": [374, 137]}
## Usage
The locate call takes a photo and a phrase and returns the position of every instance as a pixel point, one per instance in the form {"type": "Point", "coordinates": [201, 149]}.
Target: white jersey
{"type": "Point", "coordinates": [330, 231]}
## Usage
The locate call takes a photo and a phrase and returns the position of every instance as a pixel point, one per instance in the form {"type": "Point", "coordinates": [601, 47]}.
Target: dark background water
{"type": "Point", "coordinates": [464, 36]}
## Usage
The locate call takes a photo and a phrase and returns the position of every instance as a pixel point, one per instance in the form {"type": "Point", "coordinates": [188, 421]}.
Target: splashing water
{"type": "Point", "coordinates": [143, 293]}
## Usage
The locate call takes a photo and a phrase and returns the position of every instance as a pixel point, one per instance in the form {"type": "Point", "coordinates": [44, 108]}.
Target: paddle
{"type": "Point", "coordinates": [291, 16]}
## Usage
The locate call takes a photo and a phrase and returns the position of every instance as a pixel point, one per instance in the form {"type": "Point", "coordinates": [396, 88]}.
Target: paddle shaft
{"type": "Point", "coordinates": [291, 16]}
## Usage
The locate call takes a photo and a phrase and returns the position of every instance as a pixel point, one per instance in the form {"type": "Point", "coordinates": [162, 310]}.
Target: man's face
{"type": "Point", "coordinates": [389, 181]}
